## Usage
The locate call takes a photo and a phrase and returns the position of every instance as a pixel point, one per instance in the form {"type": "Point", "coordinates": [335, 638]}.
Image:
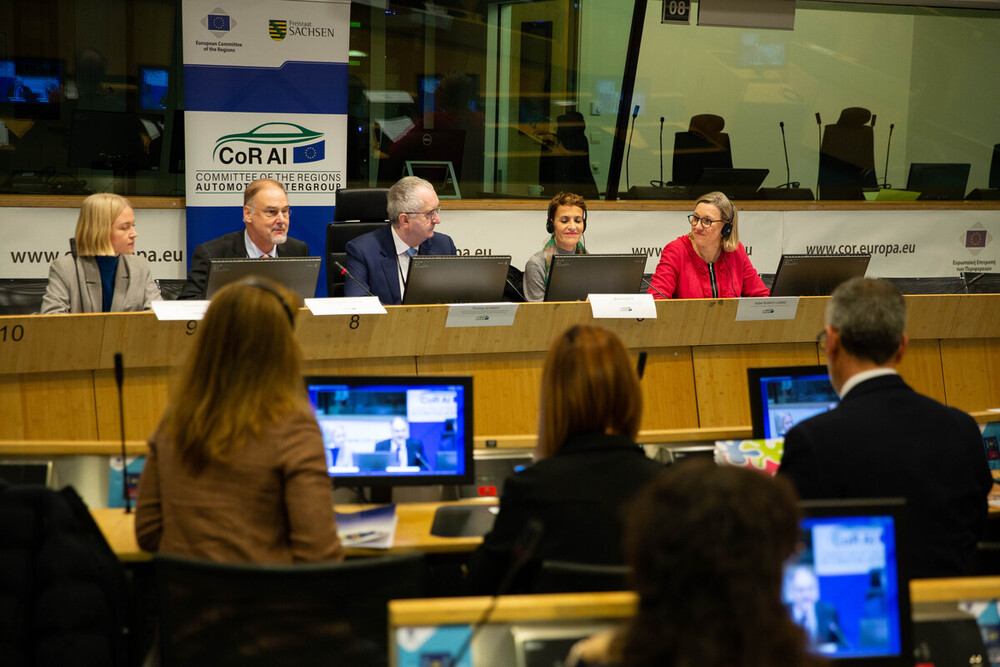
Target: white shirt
{"type": "Point", "coordinates": [402, 261]}
{"type": "Point", "coordinates": [253, 252]}
{"type": "Point", "coordinates": [858, 378]}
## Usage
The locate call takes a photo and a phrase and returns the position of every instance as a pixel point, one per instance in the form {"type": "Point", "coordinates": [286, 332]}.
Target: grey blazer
{"type": "Point", "coordinates": [135, 288]}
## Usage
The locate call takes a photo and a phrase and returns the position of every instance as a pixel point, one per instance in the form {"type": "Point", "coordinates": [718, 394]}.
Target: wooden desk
{"type": "Point", "coordinates": [57, 379]}
{"type": "Point", "coordinates": [413, 533]}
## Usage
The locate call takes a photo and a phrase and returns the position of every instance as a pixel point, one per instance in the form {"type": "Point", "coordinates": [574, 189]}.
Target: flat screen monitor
{"type": "Point", "coordinates": [298, 274]}
{"type": "Point", "coordinates": [816, 275]}
{"type": "Point", "coordinates": [439, 173]}
{"type": "Point", "coordinates": [736, 183]}
{"type": "Point", "coordinates": [455, 279]}
{"type": "Point", "coordinates": [395, 431]}
{"type": "Point", "coordinates": [573, 277]}
{"type": "Point", "coordinates": [939, 180]}
{"type": "Point", "coordinates": [849, 586]}
{"type": "Point", "coordinates": [782, 396]}
{"type": "Point", "coordinates": [981, 283]}
{"type": "Point", "coordinates": [153, 87]}
{"type": "Point", "coordinates": [33, 86]}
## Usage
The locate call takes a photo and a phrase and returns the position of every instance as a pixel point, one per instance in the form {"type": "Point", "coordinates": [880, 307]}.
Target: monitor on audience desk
{"type": "Point", "coordinates": [782, 396]}
{"type": "Point", "coordinates": [849, 586]}
{"type": "Point", "coordinates": [395, 431]}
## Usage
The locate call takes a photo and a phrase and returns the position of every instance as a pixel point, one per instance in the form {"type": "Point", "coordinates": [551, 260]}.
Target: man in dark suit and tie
{"type": "Point", "coordinates": [405, 450]}
{"type": "Point", "coordinates": [885, 440]}
{"type": "Point", "coordinates": [819, 619]}
{"type": "Point", "coordinates": [266, 218]}
{"type": "Point", "coordinates": [380, 259]}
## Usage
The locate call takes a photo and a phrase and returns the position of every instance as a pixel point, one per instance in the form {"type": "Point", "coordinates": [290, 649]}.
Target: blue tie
{"type": "Point", "coordinates": [410, 252]}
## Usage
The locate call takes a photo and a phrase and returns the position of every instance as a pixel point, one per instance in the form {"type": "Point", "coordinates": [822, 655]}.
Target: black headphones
{"type": "Point", "coordinates": [727, 228]}
{"type": "Point", "coordinates": [550, 225]}
{"type": "Point", "coordinates": [253, 282]}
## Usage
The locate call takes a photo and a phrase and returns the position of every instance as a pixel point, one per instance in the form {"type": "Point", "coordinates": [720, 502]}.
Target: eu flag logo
{"type": "Point", "coordinates": [218, 22]}
{"type": "Point", "coordinates": [310, 153]}
{"type": "Point", "coordinates": [975, 238]}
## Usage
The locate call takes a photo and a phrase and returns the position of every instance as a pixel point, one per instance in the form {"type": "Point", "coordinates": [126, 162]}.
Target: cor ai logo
{"type": "Point", "coordinates": [269, 144]}
{"type": "Point", "coordinates": [218, 22]}
{"type": "Point", "coordinates": [277, 29]}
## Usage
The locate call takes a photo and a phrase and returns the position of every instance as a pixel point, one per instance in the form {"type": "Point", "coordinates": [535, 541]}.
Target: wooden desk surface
{"type": "Point", "coordinates": [413, 533]}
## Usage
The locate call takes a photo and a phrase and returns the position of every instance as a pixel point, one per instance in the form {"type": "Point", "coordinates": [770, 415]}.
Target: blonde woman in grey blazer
{"type": "Point", "coordinates": [103, 275]}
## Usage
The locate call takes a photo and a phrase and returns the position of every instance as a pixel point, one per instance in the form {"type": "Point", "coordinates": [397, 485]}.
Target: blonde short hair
{"type": "Point", "coordinates": [93, 227]}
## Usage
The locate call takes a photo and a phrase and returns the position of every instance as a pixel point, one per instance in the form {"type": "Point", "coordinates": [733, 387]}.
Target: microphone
{"type": "Point", "coordinates": [789, 183]}
{"type": "Point", "coordinates": [345, 272]}
{"type": "Point", "coordinates": [72, 246]}
{"type": "Point", "coordinates": [119, 380]}
{"type": "Point", "coordinates": [835, 631]}
{"type": "Point", "coordinates": [628, 152]}
{"type": "Point", "coordinates": [965, 287]}
{"type": "Point", "coordinates": [649, 284]}
{"type": "Point", "coordinates": [420, 457]}
{"type": "Point", "coordinates": [523, 550]}
{"type": "Point", "coordinates": [641, 366]}
{"type": "Point", "coordinates": [661, 152]}
{"type": "Point", "coordinates": [819, 133]}
{"type": "Point", "coordinates": [874, 116]}
{"type": "Point", "coordinates": [885, 175]}
{"type": "Point", "coordinates": [516, 291]}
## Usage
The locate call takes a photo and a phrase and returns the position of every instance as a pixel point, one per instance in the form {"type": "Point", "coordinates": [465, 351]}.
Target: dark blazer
{"type": "Point", "coordinates": [828, 629]}
{"type": "Point", "coordinates": [371, 258]}
{"type": "Point", "coordinates": [578, 495]}
{"type": "Point", "coordinates": [885, 440]}
{"type": "Point", "coordinates": [414, 452]}
{"type": "Point", "coordinates": [227, 245]}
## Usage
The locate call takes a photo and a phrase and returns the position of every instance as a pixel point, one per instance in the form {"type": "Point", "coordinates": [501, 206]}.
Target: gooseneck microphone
{"type": "Point", "coordinates": [649, 284]}
{"type": "Point", "coordinates": [660, 182]}
{"type": "Point", "coordinates": [518, 292]}
{"type": "Point", "coordinates": [789, 183]}
{"type": "Point", "coordinates": [819, 143]}
{"type": "Point", "coordinates": [345, 272]}
{"type": "Point", "coordinates": [885, 174]}
{"type": "Point", "coordinates": [628, 151]}
{"type": "Point", "coordinates": [523, 550]}
{"type": "Point", "coordinates": [965, 287]}
{"type": "Point", "coordinates": [641, 366]}
{"type": "Point", "coordinates": [119, 380]}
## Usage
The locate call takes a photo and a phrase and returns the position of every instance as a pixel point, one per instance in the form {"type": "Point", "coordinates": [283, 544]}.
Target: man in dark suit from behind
{"type": "Point", "coordinates": [885, 440]}
{"type": "Point", "coordinates": [266, 220]}
{"type": "Point", "coordinates": [380, 259]}
{"type": "Point", "coordinates": [402, 446]}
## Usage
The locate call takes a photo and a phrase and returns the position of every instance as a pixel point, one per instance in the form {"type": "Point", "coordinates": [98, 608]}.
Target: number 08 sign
{"type": "Point", "coordinates": [676, 11]}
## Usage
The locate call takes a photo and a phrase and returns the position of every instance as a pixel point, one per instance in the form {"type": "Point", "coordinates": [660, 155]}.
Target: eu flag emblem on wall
{"type": "Point", "coordinates": [218, 22]}
{"type": "Point", "coordinates": [975, 238]}
{"type": "Point", "coordinates": [277, 29]}
{"type": "Point", "coordinates": [310, 153]}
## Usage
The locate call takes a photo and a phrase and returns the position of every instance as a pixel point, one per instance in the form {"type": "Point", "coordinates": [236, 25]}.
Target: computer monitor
{"type": "Point", "coordinates": [939, 180]}
{"type": "Point", "coordinates": [736, 183]}
{"type": "Point", "coordinates": [364, 418]}
{"type": "Point", "coordinates": [852, 575]}
{"type": "Point", "coordinates": [782, 396]}
{"type": "Point", "coordinates": [153, 87]}
{"type": "Point", "coordinates": [298, 274]}
{"type": "Point", "coordinates": [573, 277]}
{"type": "Point", "coordinates": [455, 279]}
{"type": "Point", "coordinates": [33, 85]}
{"type": "Point", "coordinates": [439, 173]}
{"type": "Point", "coordinates": [816, 275]}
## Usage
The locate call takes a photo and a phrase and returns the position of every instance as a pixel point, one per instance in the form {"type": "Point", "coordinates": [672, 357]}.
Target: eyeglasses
{"type": "Point", "coordinates": [272, 213]}
{"type": "Point", "coordinates": [821, 339]}
{"type": "Point", "coordinates": [705, 222]}
{"type": "Point", "coordinates": [430, 214]}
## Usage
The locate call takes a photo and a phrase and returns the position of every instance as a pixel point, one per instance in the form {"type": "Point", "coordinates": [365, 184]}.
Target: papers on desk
{"type": "Point", "coordinates": [346, 305]}
{"type": "Point", "coordinates": [368, 529]}
{"type": "Point", "coordinates": [180, 310]}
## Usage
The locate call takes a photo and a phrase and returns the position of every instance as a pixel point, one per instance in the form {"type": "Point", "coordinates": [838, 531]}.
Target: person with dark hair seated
{"type": "Point", "coordinates": [706, 545]}
{"type": "Point", "coordinates": [587, 463]}
{"type": "Point", "coordinates": [236, 470]}
{"type": "Point", "coordinates": [566, 222]}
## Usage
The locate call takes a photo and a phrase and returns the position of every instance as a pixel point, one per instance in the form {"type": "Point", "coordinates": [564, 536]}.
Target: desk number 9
{"type": "Point", "coordinates": [192, 327]}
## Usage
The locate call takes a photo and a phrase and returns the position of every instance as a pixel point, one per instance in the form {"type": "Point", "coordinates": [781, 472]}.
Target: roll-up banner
{"type": "Point", "coordinates": [265, 96]}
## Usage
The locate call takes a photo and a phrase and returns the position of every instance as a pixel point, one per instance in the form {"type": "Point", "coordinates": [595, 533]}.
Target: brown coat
{"type": "Point", "coordinates": [271, 504]}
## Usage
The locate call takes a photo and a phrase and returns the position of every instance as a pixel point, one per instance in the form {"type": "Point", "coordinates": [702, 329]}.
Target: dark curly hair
{"type": "Point", "coordinates": [706, 545]}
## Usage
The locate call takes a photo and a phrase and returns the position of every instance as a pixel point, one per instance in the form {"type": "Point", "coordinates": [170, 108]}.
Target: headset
{"type": "Point", "coordinates": [550, 225]}
{"type": "Point", "coordinates": [253, 282]}
{"type": "Point", "coordinates": [727, 228]}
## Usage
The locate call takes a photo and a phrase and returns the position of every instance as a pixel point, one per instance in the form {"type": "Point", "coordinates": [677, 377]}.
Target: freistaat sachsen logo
{"type": "Point", "coordinates": [277, 28]}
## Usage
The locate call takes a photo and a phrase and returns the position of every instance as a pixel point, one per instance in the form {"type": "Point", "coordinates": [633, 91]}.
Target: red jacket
{"type": "Point", "coordinates": [682, 274]}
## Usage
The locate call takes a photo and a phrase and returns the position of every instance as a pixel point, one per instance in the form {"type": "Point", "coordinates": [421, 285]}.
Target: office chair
{"type": "Point", "coordinates": [275, 615]}
{"type": "Point", "coordinates": [357, 212]}
{"type": "Point", "coordinates": [559, 576]}
{"type": "Point", "coordinates": [22, 296]}
{"type": "Point", "coordinates": [565, 165]}
{"type": "Point", "coordinates": [847, 156]}
{"type": "Point", "coordinates": [704, 144]}
{"type": "Point", "coordinates": [170, 288]}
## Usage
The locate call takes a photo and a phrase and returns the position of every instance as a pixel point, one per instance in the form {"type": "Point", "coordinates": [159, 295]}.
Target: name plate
{"type": "Point", "coordinates": [481, 314]}
{"type": "Point", "coordinates": [622, 306]}
{"type": "Point", "coordinates": [180, 310]}
{"type": "Point", "coordinates": [346, 305]}
{"type": "Point", "coordinates": [767, 308]}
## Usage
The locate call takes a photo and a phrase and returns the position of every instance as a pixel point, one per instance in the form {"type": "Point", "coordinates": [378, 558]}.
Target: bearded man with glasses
{"type": "Point", "coordinates": [266, 217]}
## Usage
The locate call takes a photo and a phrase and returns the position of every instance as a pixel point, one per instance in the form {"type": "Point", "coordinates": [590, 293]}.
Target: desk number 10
{"type": "Point", "coordinates": [16, 333]}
